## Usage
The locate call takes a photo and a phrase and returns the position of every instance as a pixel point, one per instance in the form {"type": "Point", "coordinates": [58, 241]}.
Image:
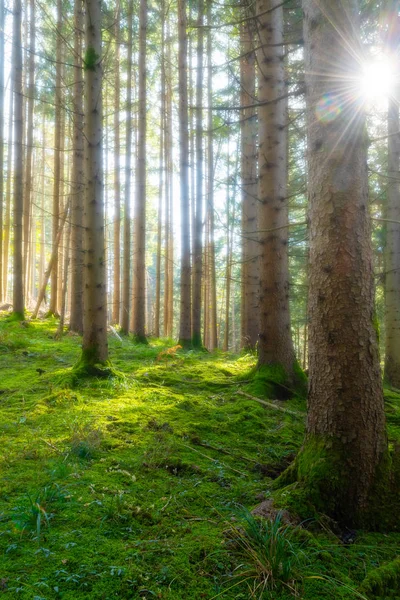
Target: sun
{"type": "Point", "coordinates": [377, 81]}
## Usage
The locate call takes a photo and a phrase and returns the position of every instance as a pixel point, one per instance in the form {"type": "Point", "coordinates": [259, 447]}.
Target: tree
{"type": "Point", "coordinates": [117, 182]}
{"type": "Point", "coordinates": [275, 341]}
{"type": "Point", "coordinates": [139, 267]}
{"type": "Point", "coordinates": [18, 284]}
{"type": "Point", "coordinates": [185, 325]}
{"type": "Point", "coordinates": [94, 346]}
{"type": "Point", "coordinates": [1, 141]}
{"type": "Point", "coordinates": [344, 464]}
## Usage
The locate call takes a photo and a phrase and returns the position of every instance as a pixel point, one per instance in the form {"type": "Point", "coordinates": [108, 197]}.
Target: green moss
{"type": "Point", "coordinates": [90, 60]}
{"type": "Point", "coordinates": [272, 381]}
{"type": "Point", "coordinates": [383, 580]}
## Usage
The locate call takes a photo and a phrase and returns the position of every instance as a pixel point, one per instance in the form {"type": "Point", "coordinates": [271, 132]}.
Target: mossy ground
{"type": "Point", "coordinates": [125, 487]}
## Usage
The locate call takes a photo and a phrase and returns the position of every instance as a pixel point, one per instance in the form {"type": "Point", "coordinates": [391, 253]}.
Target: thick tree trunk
{"type": "Point", "coordinates": [250, 246]}
{"type": "Point", "coordinates": [139, 255]}
{"type": "Point", "coordinates": [18, 285]}
{"type": "Point", "coordinates": [198, 224]}
{"type": "Point", "coordinates": [392, 251]}
{"type": "Point", "coordinates": [210, 191]}
{"type": "Point", "coordinates": [117, 185]}
{"type": "Point", "coordinates": [185, 326]}
{"type": "Point", "coordinates": [344, 461]}
{"type": "Point", "coordinates": [94, 347]}
{"type": "Point", "coordinates": [125, 303]}
{"type": "Point", "coordinates": [275, 339]}
{"type": "Point", "coordinates": [77, 188]}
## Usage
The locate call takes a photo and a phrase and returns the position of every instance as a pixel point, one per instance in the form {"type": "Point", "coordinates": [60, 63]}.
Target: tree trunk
{"type": "Point", "coordinates": [275, 340]}
{"type": "Point", "coordinates": [250, 247]}
{"type": "Point", "coordinates": [198, 229]}
{"type": "Point", "coordinates": [125, 304]}
{"type": "Point", "coordinates": [117, 185]}
{"type": "Point", "coordinates": [77, 188]}
{"type": "Point", "coordinates": [139, 268]}
{"type": "Point", "coordinates": [7, 220]}
{"type": "Point", "coordinates": [392, 250]}
{"type": "Point", "coordinates": [18, 281]}
{"type": "Point", "coordinates": [29, 139]}
{"type": "Point", "coordinates": [185, 326]}
{"type": "Point", "coordinates": [1, 142]}
{"type": "Point", "coordinates": [94, 347]}
{"type": "Point", "coordinates": [344, 461]}
{"type": "Point", "coordinates": [210, 191]}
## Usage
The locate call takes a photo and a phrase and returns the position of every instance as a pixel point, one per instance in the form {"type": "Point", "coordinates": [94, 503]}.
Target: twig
{"type": "Point", "coordinates": [51, 446]}
{"type": "Point", "coordinates": [214, 460]}
{"type": "Point", "coordinates": [294, 413]}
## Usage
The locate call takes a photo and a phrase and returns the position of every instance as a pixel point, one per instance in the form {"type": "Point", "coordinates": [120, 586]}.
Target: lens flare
{"type": "Point", "coordinates": [378, 79]}
{"type": "Point", "coordinates": [328, 108]}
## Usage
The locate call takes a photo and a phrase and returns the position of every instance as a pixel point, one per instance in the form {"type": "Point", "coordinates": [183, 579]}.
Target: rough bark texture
{"type": "Point", "coordinates": [250, 247]}
{"type": "Point", "coordinates": [275, 340]}
{"type": "Point", "coordinates": [117, 184]}
{"type": "Point", "coordinates": [185, 308]}
{"type": "Point", "coordinates": [198, 220]}
{"type": "Point", "coordinates": [344, 457]}
{"type": "Point", "coordinates": [77, 190]}
{"type": "Point", "coordinates": [94, 347]}
{"type": "Point", "coordinates": [392, 252]}
{"type": "Point", "coordinates": [125, 304]}
{"type": "Point", "coordinates": [18, 287]}
{"type": "Point", "coordinates": [139, 255]}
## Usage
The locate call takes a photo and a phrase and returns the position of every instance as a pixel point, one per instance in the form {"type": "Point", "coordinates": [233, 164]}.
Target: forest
{"type": "Point", "coordinates": [200, 299]}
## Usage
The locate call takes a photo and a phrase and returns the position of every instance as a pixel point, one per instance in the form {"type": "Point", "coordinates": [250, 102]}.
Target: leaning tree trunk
{"type": "Point", "coordinates": [392, 251]}
{"type": "Point", "coordinates": [185, 325]}
{"type": "Point", "coordinates": [275, 339]}
{"type": "Point", "coordinates": [139, 255]}
{"type": "Point", "coordinates": [344, 461]}
{"type": "Point", "coordinates": [94, 346]}
{"type": "Point", "coordinates": [18, 285]}
{"type": "Point", "coordinates": [76, 317]}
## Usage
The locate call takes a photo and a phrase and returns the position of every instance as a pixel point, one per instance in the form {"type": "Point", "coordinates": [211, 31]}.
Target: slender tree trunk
{"type": "Point", "coordinates": [42, 216]}
{"type": "Point", "coordinates": [29, 137]}
{"type": "Point", "coordinates": [185, 308]}
{"type": "Point", "coordinates": [228, 262]}
{"type": "Point", "coordinates": [210, 191]}
{"type": "Point", "coordinates": [139, 267]}
{"type": "Point", "coordinates": [125, 304]}
{"type": "Point", "coordinates": [18, 281]}
{"type": "Point", "coordinates": [275, 340]}
{"type": "Point", "coordinates": [60, 328]}
{"type": "Point", "coordinates": [2, 90]}
{"type": "Point", "coordinates": [392, 251]}
{"type": "Point", "coordinates": [94, 347]}
{"type": "Point", "coordinates": [7, 223]}
{"type": "Point", "coordinates": [57, 157]}
{"type": "Point", "coordinates": [117, 184]}
{"type": "Point", "coordinates": [250, 246]}
{"type": "Point", "coordinates": [344, 462]}
{"type": "Point", "coordinates": [61, 196]}
{"type": "Point", "coordinates": [77, 177]}
{"type": "Point", "coordinates": [198, 229]}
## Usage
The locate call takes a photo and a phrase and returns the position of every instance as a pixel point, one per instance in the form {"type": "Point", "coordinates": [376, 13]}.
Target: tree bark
{"type": "Point", "coordinates": [94, 347]}
{"type": "Point", "coordinates": [344, 461]}
{"type": "Point", "coordinates": [125, 304]}
{"type": "Point", "coordinates": [1, 142]}
{"type": "Point", "coordinates": [77, 188]}
{"type": "Point", "coordinates": [185, 325]}
{"type": "Point", "coordinates": [139, 255]}
{"type": "Point", "coordinates": [7, 220]}
{"type": "Point", "coordinates": [250, 247]}
{"type": "Point", "coordinates": [29, 139]}
{"type": "Point", "coordinates": [18, 281]}
{"type": "Point", "coordinates": [117, 184]}
{"type": "Point", "coordinates": [275, 339]}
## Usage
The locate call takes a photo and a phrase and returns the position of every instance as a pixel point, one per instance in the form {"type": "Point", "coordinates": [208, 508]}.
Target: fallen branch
{"type": "Point", "coordinates": [294, 413]}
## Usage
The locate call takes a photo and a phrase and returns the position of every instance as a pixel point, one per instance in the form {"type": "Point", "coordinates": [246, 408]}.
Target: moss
{"type": "Point", "coordinates": [139, 339]}
{"type": "Point", "coordinates": [382, 580]}
{"type": "Point", "coordinates": [272, 381]}
{"type": "Point", "coordinates": [90, 60]}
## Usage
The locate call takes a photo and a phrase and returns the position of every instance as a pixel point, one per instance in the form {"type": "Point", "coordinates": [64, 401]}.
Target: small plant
{"type": "Point", "coordinates": [85, 441]}
{"type": "Point", "coordinates": [269, 553]}
{"type": "Point", "coordinates": [169, 353]}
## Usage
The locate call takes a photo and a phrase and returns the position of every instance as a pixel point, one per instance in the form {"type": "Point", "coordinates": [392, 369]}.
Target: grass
{"type": "Point", "coordinates": [127, 487]}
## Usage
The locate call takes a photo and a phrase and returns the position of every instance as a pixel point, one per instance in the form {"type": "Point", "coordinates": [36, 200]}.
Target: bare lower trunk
{"type": "Point", "coordinates": [185, 308]}
{"type": "Point", "coordinates": [117, 185]}
{"type": "Point", "coordinates": [139, 268]}
{"type": "Point", "coordinates": [29, 141]}
{"type": "Point", "coordinates": [1, 143]}
{"type": "Point", "coordinates": [94, 347]}
{"type": "Point", "coordinates": [18, 287]}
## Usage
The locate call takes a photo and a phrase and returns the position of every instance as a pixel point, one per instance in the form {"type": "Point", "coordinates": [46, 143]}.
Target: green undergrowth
{"type": "Point", "coordinates": [136, 486]}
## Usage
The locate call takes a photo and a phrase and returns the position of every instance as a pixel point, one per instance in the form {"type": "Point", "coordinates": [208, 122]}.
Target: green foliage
{"type": "Point", "coordinates": [91, 59]}
{"type": "Point", "coordinates": [384, 581]}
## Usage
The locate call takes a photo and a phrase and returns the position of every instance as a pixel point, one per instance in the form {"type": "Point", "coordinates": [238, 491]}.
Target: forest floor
{"type": "Point", "coordinates": [140, 487]}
